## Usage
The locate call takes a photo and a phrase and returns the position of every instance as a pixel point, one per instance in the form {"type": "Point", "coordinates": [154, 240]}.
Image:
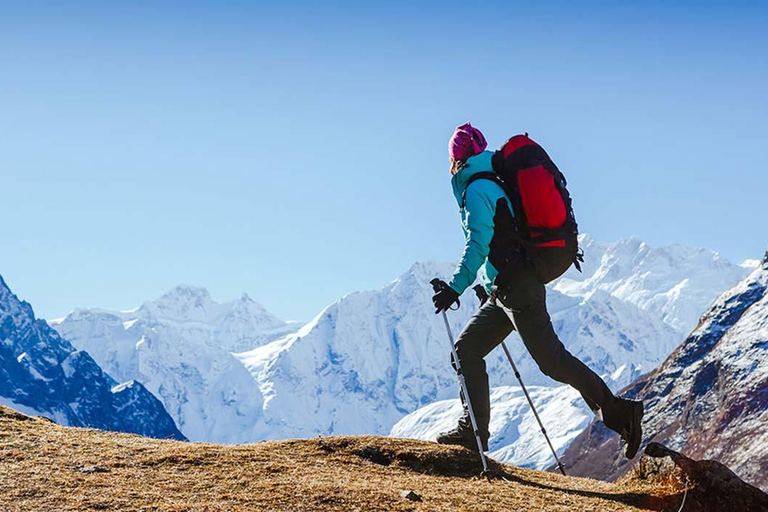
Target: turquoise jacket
{"type": "Point", "coordinates": [477, 221]}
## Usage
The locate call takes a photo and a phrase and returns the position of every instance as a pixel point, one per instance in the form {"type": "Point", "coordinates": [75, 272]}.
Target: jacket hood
{"type": "Point", "coordinates": [475, 164]}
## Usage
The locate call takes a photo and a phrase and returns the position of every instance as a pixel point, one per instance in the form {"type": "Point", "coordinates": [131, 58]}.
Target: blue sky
{"type": "Point", "coordinates": [298, 151]}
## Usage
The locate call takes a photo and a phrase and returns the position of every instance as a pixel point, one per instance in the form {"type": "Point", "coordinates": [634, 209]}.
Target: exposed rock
{"type": "Point", "coordinates": [710, 485]}
{"type": "Point", "coordinates": [92, 469]}
{"type": "Point", "coordinates": [410, 495]}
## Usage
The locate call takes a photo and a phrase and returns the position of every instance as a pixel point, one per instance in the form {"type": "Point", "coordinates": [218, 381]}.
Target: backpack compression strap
{"type": "Point", "coordinates": [480, 176]}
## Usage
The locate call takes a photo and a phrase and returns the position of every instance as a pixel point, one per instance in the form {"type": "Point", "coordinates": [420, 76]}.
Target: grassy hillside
{"type": "Point", "coordinates": [44, 466]}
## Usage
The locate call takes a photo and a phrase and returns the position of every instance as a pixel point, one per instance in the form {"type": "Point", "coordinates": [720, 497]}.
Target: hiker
{"type": "Point", "coordinates": [514, 260]}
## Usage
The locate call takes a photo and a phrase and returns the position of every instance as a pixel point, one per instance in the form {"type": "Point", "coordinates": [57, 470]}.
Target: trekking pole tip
{"type": "Point", "coordinates": [489, 474]}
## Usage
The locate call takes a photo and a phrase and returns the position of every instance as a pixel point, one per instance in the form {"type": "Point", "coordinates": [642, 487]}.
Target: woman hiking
{"type": "Point", "coordinates": [514, 273]}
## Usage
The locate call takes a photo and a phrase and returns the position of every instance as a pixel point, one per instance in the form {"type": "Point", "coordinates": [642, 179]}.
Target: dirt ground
{"type": "Point", "coordinates": [44, 466]}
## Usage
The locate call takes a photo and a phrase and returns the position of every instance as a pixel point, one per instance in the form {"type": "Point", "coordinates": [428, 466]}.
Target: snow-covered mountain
{"type": "Point", "coordinates": [43, 374]}
{"type": "Point", "coordinates": [371, 358]}
{"type": "Point", "coordinates": [180, 347]}
{"type": "Point", "coordinates": [710, 397]}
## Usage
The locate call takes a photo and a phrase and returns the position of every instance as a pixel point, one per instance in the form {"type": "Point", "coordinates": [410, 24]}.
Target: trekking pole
{"type": "Point", "coordinates": [462, 384]}
{"type": "Point", "coordinates": [530, 402]}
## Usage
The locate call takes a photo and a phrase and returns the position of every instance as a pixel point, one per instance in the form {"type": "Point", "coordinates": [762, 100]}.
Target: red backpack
{"type": "Point", "coordinates": [544, 222]}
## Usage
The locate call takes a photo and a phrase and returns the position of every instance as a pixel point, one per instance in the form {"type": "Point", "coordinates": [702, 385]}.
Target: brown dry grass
{"type": "Point", "coordinates": [39, 461]}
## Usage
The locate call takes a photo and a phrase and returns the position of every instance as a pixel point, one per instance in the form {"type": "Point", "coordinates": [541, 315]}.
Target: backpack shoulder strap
{"type": "Point", "coordinates": [487, 175]}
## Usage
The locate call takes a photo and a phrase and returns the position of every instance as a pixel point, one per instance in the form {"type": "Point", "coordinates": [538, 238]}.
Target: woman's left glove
{"type": "Point", "coordinates": [445, 296]}
{"type": "Point", "coordinates": [482, 294]}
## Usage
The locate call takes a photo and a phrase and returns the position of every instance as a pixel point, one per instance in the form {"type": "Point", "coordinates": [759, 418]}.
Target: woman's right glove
{"type": "Point", "coordinates": [444, 297]}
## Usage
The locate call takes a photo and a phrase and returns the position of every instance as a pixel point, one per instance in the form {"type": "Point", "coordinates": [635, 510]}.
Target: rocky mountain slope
{"type": "Point", "coordinates": [45, 467]}
{"type": "Point", "coordinates": [42, 373]}
{"type": "Point", "coordinates": [180, 346]}
{"type": "Point", "coordinates": [710, 397]}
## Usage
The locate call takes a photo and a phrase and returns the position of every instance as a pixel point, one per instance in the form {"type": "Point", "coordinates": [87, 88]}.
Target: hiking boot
{"type": "Point", "coordinates": [626, 417]}
{"type": "Point", "coordinates": [632, 434]}
{"type": "Point", "coordinates": [462, 436]}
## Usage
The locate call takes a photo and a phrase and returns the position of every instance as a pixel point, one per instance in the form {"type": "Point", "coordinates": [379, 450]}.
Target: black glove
{"type": "Point", "coordinates": [444, 297]}
{"type": "Point", "coordinates": [482, 295]}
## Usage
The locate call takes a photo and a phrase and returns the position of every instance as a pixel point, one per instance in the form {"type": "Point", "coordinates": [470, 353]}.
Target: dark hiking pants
{"type": "Point", "coordinates": [522, 306]}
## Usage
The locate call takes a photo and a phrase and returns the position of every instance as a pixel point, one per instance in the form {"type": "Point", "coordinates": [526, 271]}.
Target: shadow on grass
{"type": "Point", "coordinates": [638, 500]}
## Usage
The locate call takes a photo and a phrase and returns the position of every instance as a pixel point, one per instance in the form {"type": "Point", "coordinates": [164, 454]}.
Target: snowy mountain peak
{"type": "Point", "coordinates": [19, 312]}
{"type": "Point", "coordinates": [183, 302]}
{"type": "Point", "coordinates": [370, 358]}
{"type": "Point", "coordinates": [750, 264]}
{"type": "Point", "coordinates": [247, 303]}
{"type": "Point", "coordinates": [425, 271]}
{"type": "Point", "coordinates": [188, 291]}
